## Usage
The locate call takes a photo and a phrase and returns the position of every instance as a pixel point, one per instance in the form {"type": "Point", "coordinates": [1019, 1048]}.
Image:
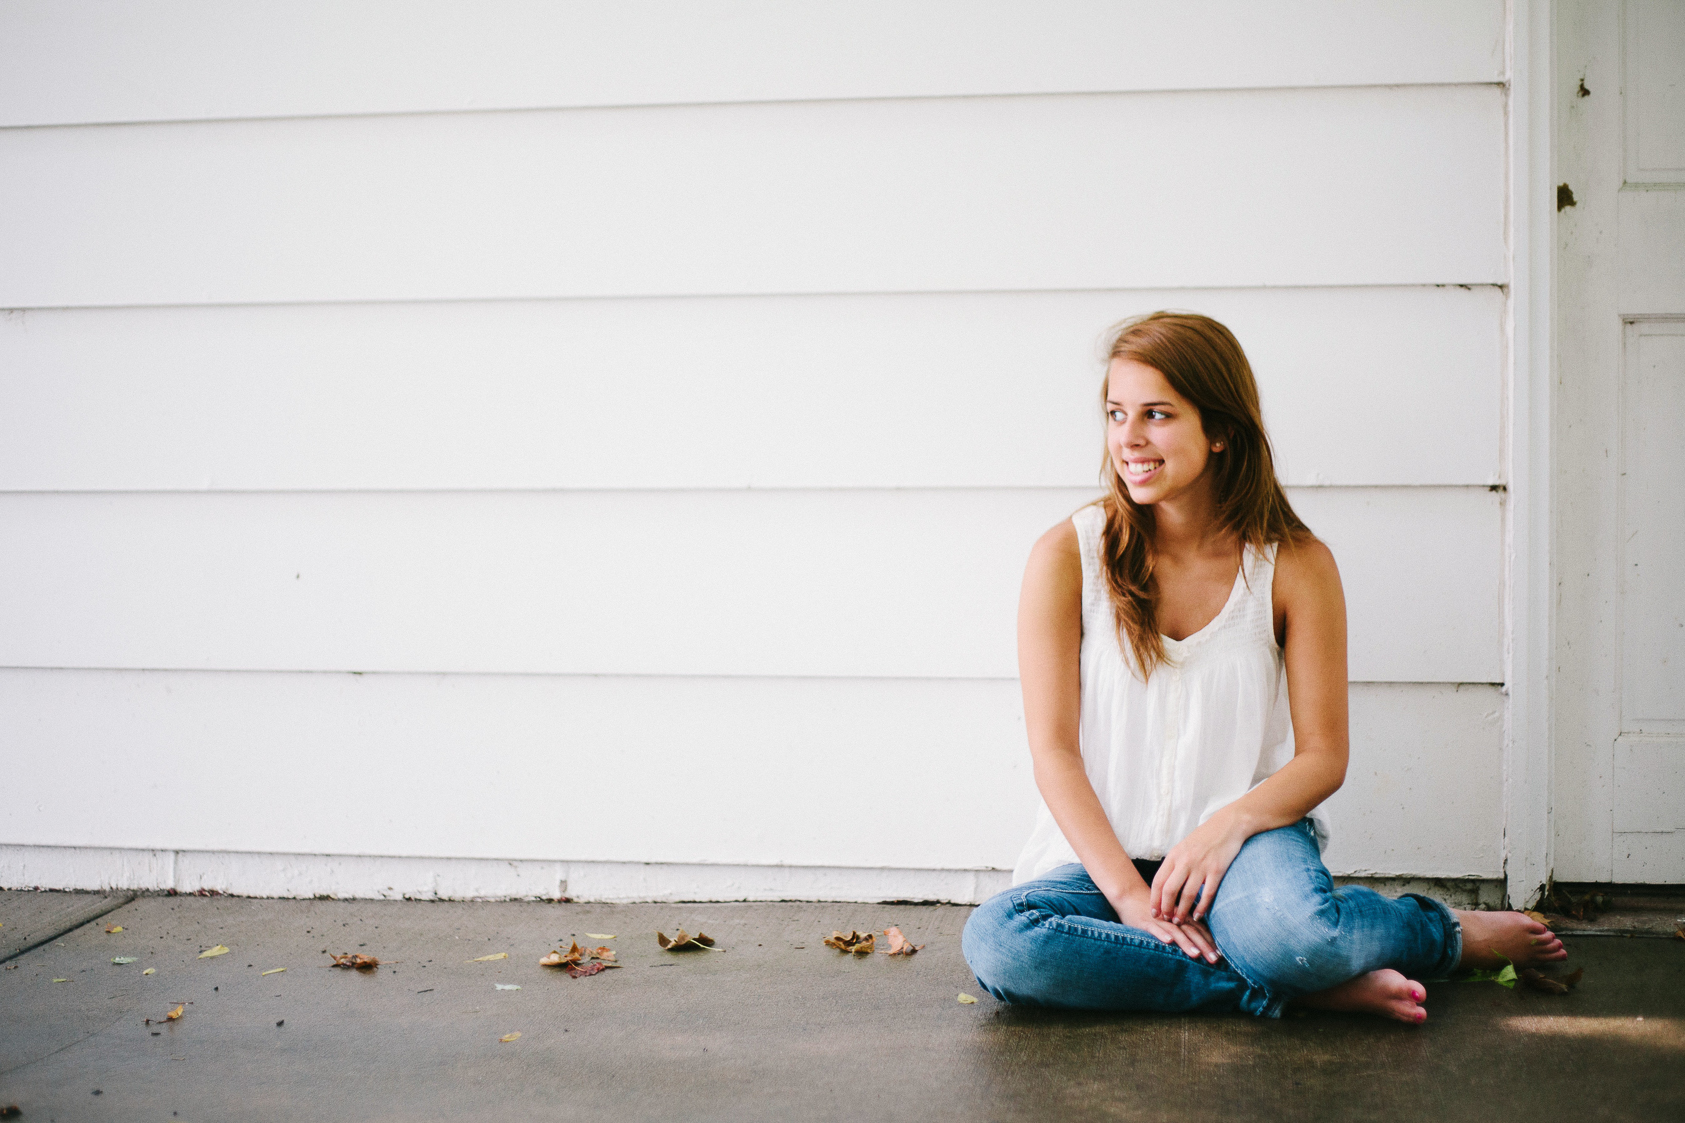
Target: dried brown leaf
{"type": "Point", "coordinates": [354, 961]}
{"type": "Point", "coordinates": [1541, 982]}
{"type": "Point", "coordinates": [604, 953]}
{"type": "Point", "coordinates": [1532, 915]}
{"type": "Point", "coordinates": [580, 971]}
{"type": "Point", "coordinates": [1573, 977]}
{"type": "Point", "coordinates": [1679, 933]}
{"type": "Point", "coordinates": [683, 941]}
{"type": "Point", "coordinates": [898, 944]}
{"type": "Point", "coordinates": [10, 1111]}
{"type": "Point", "coordinates": [113, 929]}
{"type": "Point", "coordinates": [860, 943]}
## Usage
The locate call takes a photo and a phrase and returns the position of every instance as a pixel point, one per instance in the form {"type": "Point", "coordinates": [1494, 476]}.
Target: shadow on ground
{"type": "Point", "coordinates": [773, 1027]}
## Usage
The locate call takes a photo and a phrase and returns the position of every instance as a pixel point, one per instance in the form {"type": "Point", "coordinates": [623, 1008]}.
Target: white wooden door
{"type": "Point", "coordinates": [1619, 782]}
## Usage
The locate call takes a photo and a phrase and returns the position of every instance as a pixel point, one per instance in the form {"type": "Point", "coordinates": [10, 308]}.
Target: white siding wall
{"type": "Point", "coordinates": [527, 432]}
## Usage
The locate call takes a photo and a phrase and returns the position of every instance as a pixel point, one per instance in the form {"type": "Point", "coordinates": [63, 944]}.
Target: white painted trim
{"type": "Point", "coordinates": [392, 878]}
{"type": "Point", "coordinates": [1528, 744]}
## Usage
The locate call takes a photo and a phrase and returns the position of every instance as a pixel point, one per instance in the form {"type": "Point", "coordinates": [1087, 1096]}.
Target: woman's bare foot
{"type": "Point", "coordinates": [1384, 992]}
{"type": "Point", "coordinates": [1492, 938]}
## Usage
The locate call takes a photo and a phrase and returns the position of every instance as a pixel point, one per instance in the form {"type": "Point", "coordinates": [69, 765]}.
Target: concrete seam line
{"type": "Point", "coordinates": [77, 920]}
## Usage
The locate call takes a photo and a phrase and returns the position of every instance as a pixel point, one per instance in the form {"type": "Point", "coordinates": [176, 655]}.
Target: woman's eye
{"type": "Point", "coordinates": [1115, 415]}
{"type": "Point", "coordinates": [1156, 415]}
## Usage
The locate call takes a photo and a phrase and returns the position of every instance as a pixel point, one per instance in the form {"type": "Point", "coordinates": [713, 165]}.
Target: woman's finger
{"type": "Point", "coordinates": [1167, 883]}
{"type": "Point", "coordinates": [1184, 901]}
{"type": "Point", "coordinates": [1209, 896]}
{"type": "Point", "coordinates": [1182, 941]}
{"type": "Point", "coordinates": [1202, 940]}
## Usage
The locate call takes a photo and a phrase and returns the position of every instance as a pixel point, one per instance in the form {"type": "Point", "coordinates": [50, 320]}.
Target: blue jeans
{"type": "Point", "coordinates": [1281, 927]}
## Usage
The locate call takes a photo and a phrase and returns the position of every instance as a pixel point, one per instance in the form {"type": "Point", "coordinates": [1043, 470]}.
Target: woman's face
{"type": "Point", "coordinates": [1157, 444]}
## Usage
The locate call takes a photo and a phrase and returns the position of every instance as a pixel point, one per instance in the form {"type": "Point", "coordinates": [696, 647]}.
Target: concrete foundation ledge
{"type": "Point", "coordinates": [369, 877]}
{"type": "Point", "coordinates": [344, 876]}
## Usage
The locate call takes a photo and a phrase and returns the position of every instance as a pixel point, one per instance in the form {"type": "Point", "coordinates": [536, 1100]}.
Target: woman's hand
{"type": "Point", "coordinates": [1191, 937]}
{"type": "Point", "coordinates": [1192, 871]}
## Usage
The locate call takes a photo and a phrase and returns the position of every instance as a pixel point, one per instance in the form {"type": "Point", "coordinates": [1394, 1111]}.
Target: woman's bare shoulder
{"type": "Point", "coordinates": [1056, 558]}
{"type": "Point", "coordinates": [1305, 568]}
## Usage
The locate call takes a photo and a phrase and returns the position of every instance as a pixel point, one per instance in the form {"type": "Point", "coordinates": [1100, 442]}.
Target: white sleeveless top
{"type": "Point", "coordinates": [1210, 724]}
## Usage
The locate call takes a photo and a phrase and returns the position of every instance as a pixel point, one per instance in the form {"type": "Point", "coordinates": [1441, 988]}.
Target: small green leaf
{"type": "Point", "coordinates": [1506, 977]}
{"type": "Point", "coordinates": [123, 959]}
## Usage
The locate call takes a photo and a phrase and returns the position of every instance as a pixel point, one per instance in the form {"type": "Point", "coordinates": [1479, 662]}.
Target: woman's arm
{"type": "Point", "coordinates": [1311, 611]}
{"type": "Point", "coordinates": [1049, 666]}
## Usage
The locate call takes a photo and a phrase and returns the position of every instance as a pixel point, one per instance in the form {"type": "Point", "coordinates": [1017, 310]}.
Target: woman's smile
{"type": "Point", "coordinates": [1158, 444]}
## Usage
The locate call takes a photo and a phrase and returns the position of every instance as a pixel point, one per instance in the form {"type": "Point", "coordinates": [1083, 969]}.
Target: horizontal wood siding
{"type": "Point", "coordinates": [812, 772]}
{"type": "Point", "coordinates": [1299, 187]}
{"type": "Point", "coordinates": [658, 403]}
{"type": "Point", "coordinates": [943, 390]}
{"type": "Point", "coordinates": [80, 61]}
{"type": "Point", "coordinates": [891, 583]}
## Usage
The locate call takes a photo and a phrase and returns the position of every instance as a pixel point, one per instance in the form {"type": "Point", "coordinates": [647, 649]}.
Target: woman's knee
{"type": "Point", "coordinates": [991, 944]}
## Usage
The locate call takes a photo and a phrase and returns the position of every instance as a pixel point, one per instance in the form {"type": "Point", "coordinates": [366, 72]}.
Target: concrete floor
{"type": "Point", "coordinates": [774, 1027]}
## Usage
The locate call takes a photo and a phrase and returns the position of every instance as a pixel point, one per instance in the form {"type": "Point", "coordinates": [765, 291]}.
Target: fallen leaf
{"type": "Point", "coordinates": [352, 961]}
{"type": "Point", "coordinates": [216, 951]}
{"type": "Point", "coordinates": [510, 1036]}
{"type": "Point", "coordinates": [682, 941]}
{"type": "Point", "coordinates": [1679, 933]}
{"type": "Point", "coordinates": [1541, 982]}
{"type": "Point", "coordinates": [507, 986]}
{"type": "Point", "coordinates": [10, 1111]}
{"type": "Point", "coordinates": [604, 953]}
{"type": "Point", "coordinates": [898, 944]}
{"type": "Point", "coordinates": [580, 971]}
{"type": "Point", "coordinates": [489, 958]}
{"type": "Point", "coordinates": [560, 958]}
{"type": "Point", "coordinates": [1504, 978]}
{"type": "Point", "coordinates": [271, 971]}
{"type": "Point", "coordinates": [1531, 915]}
{"type": "Point", "coordinates": [113, 929]}
{"type": "Point", "coordinates": [597, 936]}
{"type": "Point", "coordinates": [149, 970]}
{"type": "Point", "coordinates": [860, 943]}
{"type": "Point", "coordinates": [124, 958]}
{"type": "Point", "coordinates": [968, 1000]}
{"type": "Point", "coordinates": [61, 980]}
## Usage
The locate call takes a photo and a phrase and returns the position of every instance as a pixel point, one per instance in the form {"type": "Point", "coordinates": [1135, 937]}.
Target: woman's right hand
{"type": "Point", "coordinates": [1191, 936]}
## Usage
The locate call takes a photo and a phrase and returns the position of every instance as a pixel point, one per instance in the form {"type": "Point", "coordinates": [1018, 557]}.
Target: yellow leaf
{"type": "Point", "coordinates": [174, 1014]}
{"type": "Point", "coordinates": [149, 970]}
{"type": "Point", "coordinates": [510, 1036]}
{"type": "Point", "coordinates": [216, 951]}
{"type": "Point", "coordinates": [597, 936]}
{"type": "Point", "coordinates": [61, 980]}
{"type": "Point", "coordinates": [271, 971]}
{"type": "Point", "coordinates": [489, 958]}
{"type": "Point", "coordinates": [968, 1000]}
{"type": "Point", "coordinates": [113, 929]}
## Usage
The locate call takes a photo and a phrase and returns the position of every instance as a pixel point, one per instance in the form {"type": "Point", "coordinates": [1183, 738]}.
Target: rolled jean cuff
{"type": "Point", "coordinates": [1446, 965]}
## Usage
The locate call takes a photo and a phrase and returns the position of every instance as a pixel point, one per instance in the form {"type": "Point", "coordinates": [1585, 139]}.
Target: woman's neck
{"type": "Point", "coordinates": [1187, 525]}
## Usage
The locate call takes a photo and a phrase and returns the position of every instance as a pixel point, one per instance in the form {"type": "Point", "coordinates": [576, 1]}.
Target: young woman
{"type": "Point", "coordinates": [1182, 646]}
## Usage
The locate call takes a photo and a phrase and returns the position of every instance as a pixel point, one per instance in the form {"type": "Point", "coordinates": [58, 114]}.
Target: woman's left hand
{"type": "Point", "coordinates": [1193, 869]}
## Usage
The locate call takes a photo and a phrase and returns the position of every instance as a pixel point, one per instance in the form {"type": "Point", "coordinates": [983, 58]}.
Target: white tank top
{"type": "Point", "coordinates": [1211, 723]}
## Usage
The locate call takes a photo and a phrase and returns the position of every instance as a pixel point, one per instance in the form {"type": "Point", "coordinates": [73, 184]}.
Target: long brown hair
{"type": "Point", "coordinates": [1203, 362]}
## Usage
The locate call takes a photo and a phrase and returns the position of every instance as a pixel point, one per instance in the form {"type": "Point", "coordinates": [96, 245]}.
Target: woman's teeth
{"type": "Point", "coordinates": [1142, 467]}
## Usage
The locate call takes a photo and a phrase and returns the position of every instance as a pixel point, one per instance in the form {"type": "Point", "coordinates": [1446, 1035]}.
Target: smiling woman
{"type": "Point", "coordinates": [1182, 649]}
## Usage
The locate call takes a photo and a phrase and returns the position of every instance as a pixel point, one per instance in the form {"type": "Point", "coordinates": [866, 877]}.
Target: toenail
{"type": "Point", "coordinates": [1420, 1014]}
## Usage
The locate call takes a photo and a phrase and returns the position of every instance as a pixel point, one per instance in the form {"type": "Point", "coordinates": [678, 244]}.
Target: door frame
{"type": "Point", "coordinates": [1529, 526]}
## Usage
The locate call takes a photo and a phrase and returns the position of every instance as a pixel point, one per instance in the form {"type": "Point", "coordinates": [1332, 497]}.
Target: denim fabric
{"type": "Point", "coordinates": [1282, 928]}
